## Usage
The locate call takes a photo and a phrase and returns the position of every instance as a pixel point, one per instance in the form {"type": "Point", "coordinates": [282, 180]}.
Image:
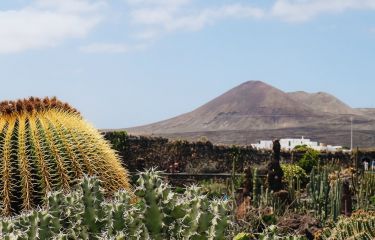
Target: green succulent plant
{"type": "Point", "coordinates": [46, 145]}
{"type": "Point", "coordinates": [360, 225]}
{"type": "Point", "coordinates": [271, 233]}
{"type": "Point", "coordinates": [243, 236]}
{"type": "Point", "coordinates": [293, 171]}
{"type": "Point", "coordinates": [159, 213]}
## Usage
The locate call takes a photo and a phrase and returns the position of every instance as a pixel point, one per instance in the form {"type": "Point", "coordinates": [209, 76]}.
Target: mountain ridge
{"type": "Point", "coordinates": [258, 106]}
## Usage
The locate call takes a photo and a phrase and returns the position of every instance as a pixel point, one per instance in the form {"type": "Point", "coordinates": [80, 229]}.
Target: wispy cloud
{"type": "Point", "coordinates": [46, 23]}
{"type": "Point", "coordinates": [304, 10]}
{"type": "Point", "coordinates": [162, 16]}
{"type": "Point", "coordinates": [72, 6]}
{"type": "Point", "coordinates": [111, 48]}
{"type": "Point", "coordinates": [168, 21]}
{"type": "Point", "coordinates": [105, 48]}
{"type": "Point", "coordinates": [164, 3]}
{"type": "Point", "coordinates": [151, 19]}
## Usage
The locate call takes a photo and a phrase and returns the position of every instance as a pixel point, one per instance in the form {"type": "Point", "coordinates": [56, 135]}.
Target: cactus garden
{"type": "Point", "coordinates": [60, 179]}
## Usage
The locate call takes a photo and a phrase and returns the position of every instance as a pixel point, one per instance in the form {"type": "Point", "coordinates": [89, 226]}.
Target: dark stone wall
{"type": "Point", "coordinates": [138, 153]}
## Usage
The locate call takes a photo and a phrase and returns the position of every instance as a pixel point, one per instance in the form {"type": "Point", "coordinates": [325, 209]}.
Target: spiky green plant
{"type": "Point", "coordinates": [159, 213]}
{"type": "Point", "coordinates": [335, 196]}
{"type": "Point", "coordinates": [271, 233]}
{"type": "Point", "coordinates": [46, 145]}
{"type": "Point", "coordinates": [365, 190]}
{"type": "Point", "coordinates": [324, 195]}
{"type": "Point", "coordinates": [318, 190]}
{"type": "Point", "coordinates": [360, 225]}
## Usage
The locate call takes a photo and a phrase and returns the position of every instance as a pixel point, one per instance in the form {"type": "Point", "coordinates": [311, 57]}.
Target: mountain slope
{"type": "Point", "coordinates": [256, 107]}
{"type": "Point", "coordinates": [323, 102]}
{"type": "Point", "coordinates": [251, 105]}
{"type": "Point", "coordinates": [369, 112]}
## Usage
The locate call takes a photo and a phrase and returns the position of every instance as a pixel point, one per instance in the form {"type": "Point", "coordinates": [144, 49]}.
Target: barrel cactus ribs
{"type": "Point", "coordinates": [46, 145]}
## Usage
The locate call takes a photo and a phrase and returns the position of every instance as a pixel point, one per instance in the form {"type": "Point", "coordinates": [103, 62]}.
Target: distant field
{"type": "Point", "coordinates": [363, 139]}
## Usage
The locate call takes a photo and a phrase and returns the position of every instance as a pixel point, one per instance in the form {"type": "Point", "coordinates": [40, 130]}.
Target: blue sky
{"type": "Point", "coordinates": [130, 62]}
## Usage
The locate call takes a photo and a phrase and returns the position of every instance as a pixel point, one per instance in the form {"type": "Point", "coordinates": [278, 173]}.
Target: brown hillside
{"type": "Point", "coordinates": [258, 108]}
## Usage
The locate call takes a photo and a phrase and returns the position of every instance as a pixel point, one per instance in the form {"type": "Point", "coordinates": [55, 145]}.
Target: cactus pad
{"type": "Point", "coordinates": [46, 145]}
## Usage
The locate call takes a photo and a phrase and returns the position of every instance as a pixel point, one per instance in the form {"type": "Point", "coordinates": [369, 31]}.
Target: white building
{"type": "Point", "coordinates": [288, 144]}
{"type": "Point", "coordinates": [264, 144]}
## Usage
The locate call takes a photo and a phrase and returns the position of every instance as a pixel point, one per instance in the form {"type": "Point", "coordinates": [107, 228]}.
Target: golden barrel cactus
{"type": "Point", "coordinates": [46, 145]}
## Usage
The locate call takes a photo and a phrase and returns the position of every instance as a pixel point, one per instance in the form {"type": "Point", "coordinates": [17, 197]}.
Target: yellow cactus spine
{"type": "Point", "coordinates": [46, 145]}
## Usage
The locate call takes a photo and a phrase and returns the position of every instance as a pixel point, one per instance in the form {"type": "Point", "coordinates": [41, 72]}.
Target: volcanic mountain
{"type": "Point", "coordinates": [255, 110]}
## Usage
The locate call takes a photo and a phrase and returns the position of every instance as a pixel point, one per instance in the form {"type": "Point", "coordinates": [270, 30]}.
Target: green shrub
{"type": "Point", "coordinates": [293, 171]}
{"type": "Point", "coordinates": [118, 140]}
{"type": "Point", "coordinates": [372, 201]}
{"type": "Point", "coordinates": [214, 188]}
{"type": "Point", "coordinates": [300, 148]}
{"type": "Point", "coordinates": [309, 160]}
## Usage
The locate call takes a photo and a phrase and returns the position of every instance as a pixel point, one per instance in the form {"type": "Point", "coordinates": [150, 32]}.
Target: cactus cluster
{"type": "Point", "coordinates": [365, 186]}
{"type": "Point", "coordinates": [260, 196]}
{"type": "Point", "coordinates": [46, 145]}
{"type": "Point", "coordinates": [159, 213]}
{"type": "Point", "coordinates": [335, 198]}
{"type": "Point", "coordinates": [360, 225]}
{"type": "Point", "coordinates": [318, 190]}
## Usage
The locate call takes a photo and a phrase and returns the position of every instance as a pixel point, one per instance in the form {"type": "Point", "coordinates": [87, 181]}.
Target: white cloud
{"type": "Point", "coordinates": [304, 10]}
{"type": "Point", "coordinates": [72, 6]}
{"type": "Point", "coordinates": [151, 19]}
{"type": "Point", "coordinates": [147, 34]}
{"type": "Point", "coordinates": [161, 16]}
{"type": "Point", "coordinates": [151, 16]}
{"type": "Point", "coordinates": [163, 3]}
{"type": "Point", "coordinates": [111, 48]}
{"type": "Point", "coordinates": [46, 23]}
{"type": "Point", "coordinates": [210, 16]}
{"type": "Point", "coordinates": [105, 48]}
